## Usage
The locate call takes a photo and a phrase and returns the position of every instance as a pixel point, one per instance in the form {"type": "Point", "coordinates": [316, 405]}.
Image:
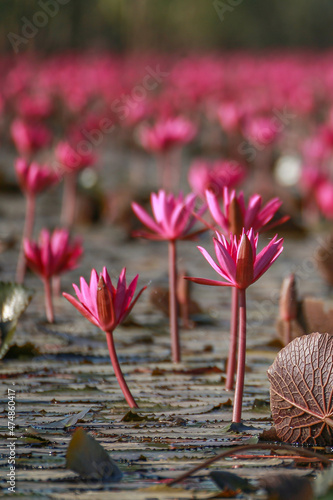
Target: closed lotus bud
{"type": "Point", "coordinates": [245, 262]}
{"type": "Point", "coordinates": [288, 299]}
{"type": "Point", "coordinates": [104, 306]}
{"type": "Point", "coordinates": [235, 218]}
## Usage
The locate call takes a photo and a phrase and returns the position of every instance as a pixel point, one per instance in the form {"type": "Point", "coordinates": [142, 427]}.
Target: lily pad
{"type": "Point", "coordinates": [14, 299]}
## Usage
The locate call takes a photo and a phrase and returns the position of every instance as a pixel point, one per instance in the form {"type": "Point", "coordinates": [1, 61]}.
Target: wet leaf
{"type": "Point", "coordinates": [238, 427]}
{"type": "Point", "coordinates": [260, 405]}
{"type": "Point", "coordinates": [301, 390]}
{"type": "Point", "coordinates": [90, 460]}
{"type": "Point", "coordinates": [14, 299]}
{"type": "Point", "coordinates": [22, 352]}
{"type": "Point", "coordinates": [133, 416]}
{"type": "Point", "coordinates": [68, 421]}
{"type": "Point", "coordinates": [287, 487]}
{"type": "Point", "coordinates": [229, 481]}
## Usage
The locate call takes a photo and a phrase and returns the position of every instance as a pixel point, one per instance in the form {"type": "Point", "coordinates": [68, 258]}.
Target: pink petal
{"type": "Point", "coordinates": [203, 281]}
{"type": "Point", "coordinates": [225, 260]}
{"type": "Point", "coordinates": [266, 257]}
{"type": "Point", "coordinates": [215, 210]}
{"type": "Point", "coordinates": [81, 308]}
{"type": "Point", "coordinates": [252, 211]}
{"type": "Point", "coordinates": [145, 218]}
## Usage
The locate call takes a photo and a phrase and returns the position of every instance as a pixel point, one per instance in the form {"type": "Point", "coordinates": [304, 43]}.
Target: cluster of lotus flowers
{"type": "Point", "coordinates": [60, 110]}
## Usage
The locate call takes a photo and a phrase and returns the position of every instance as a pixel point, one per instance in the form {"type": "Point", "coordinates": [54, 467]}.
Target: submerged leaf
{"type": "Point", "coordinates": [90, 460]}
{"type": "Point", "coordinates": [301, 390]}
{"type": "Point", "coordinates": [14, 299]}
{"type": "Point", "coordinates": [229, 481]}
{"type": "Point", "coordinates": [287, 487]}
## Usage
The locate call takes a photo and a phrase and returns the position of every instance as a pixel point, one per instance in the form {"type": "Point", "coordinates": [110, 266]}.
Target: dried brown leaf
{"type": "Point", "coordinates": [302, 389]}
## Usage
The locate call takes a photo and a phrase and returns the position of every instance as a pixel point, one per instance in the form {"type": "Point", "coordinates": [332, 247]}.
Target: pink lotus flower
{"type": "Point", "coordinates": [231, 265]}
{"type": "Point", "coordinates": [261, 130]}
{"type": "Point", "coordinates": [173, 217]}
{"type": "Point", "coordinates": [174, 220]}
{"type": "Point", "coordinates": [107, 307]}
{"type": "Point", "coordinates": [230, 116]}
{"type": "Point", "coordinates": [29, 137]}
{"type": "Point", "coordinates": [214, 175]}
{"type": "Point", "coordinates": [166, 134]}
{"type": "Point", "coordinates": [239, 266]}
{"type": "Point", "coordinates": [34, 178]}
{"type": "Point", "coordinates": [324, 198]}
{"type": "Point", "coordinates": [237, 216]}
{"type": "Point", "coordinates": [52, 256]}
{"type": "Point", "coordinates": [71, 159]}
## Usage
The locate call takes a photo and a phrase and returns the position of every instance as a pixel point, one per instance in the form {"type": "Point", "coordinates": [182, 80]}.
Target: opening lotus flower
{"type": "Point", "coordinates": [29, 137]}
{"type": "Point", "coordinates": [52, 255]}
{"type": "Point", "coordinates": [107, 307]}
{"type": "Point", "coordinates": [173, 219]}
{"type": "Point", "coordinates": [239, 265]}
{"type": "Point", "coordinates": [236, 215]}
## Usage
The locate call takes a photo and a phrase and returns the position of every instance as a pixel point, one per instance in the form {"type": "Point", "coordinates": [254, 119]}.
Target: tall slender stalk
{"type": "Point", "coordinates": [233, 340]}
{"type": "Point", "coordinates": [27, 233]}
{"type": "Point", "coordinates": [237, 411]}
{"type": "Point", "coordinates": [174, 327]}
{"type": "Point", "coordinates": [48, 300]}
{"type": "Point", "coordinates": [288, 332]}
{"type": "Point", "coordinates": [117, 370]}
{"type": "Point", "coordinates": [69, 200]}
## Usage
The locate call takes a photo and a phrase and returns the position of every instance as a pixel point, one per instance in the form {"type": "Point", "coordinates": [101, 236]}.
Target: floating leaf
{"type": "Point", "coordinates": [14, 299]}
{"type": "Point", "coordinates": [68, 421]}
{"type": "Point", "coordinates": [302, 389]}
{"type": "Point", "coordinates": [231, 482]}
{"type": "Point", "coordinates": [90, 460]}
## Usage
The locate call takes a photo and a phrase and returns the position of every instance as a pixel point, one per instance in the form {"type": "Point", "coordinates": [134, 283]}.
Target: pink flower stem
{"type": "Point", "coordinates": [117, 370]}
{"type": "Point", "coordinates": [233, 340]}
{"type": "Point", "coordinates": [48, 300]}
{"type": "Point", "coordinates": [174, 329]}
{"type": "Point", "coordinates": [69, 200]}
{"type": "Point", "coordinates": [237, 411]}
{"type": "Point", "coordinates": [27, 234]}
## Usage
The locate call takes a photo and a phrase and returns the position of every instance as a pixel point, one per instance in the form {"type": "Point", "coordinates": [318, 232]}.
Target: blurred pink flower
{"type": "Point", "coordinates": [214, 175]}
{"type": "Point", "coordinates": [34, 178]}
{"type": "Point", "coordinates": [53, 254]}
{"type": "Point", "coordinates": [173, 217]}
{"type": "Point", "coordinates": [237, 216]}
{"type": "Point", "coordinates": [29, 137]}
{"type": "Point", "coordinates": [166, 134]}
{"type": "Point", "coordinates": [261, 130]}
{"type": "Point", "coordinates": [238, 262]}
{"type": "Point", "coordinates": [324, 198]}
{"type": "Point", "coordinates": [34, 106]}
{"type": "Point", "coordinates": [70, 159]}
{"type": "Point", "coordinates": [230, 116]}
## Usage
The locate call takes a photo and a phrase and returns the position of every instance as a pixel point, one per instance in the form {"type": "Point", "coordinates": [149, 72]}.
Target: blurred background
{"type": "Point", "coordinates": [129, 25]}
